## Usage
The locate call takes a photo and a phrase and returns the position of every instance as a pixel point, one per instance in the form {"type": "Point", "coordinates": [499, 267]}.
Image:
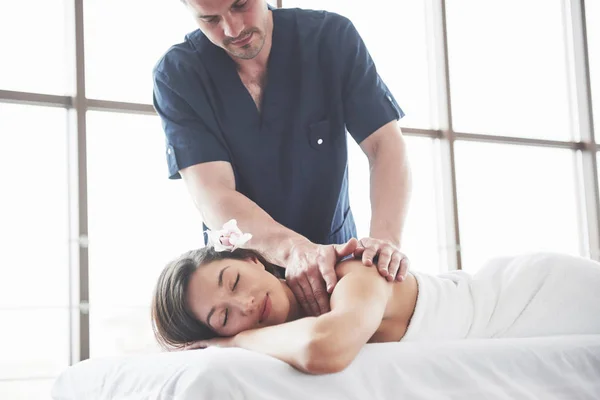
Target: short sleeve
{"type": "Point", "coordinates": [368, 103]}
{"type": "Point", "coordinates": [189, 125]}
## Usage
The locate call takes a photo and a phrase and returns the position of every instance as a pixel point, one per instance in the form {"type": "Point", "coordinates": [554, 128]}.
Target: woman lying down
{"type": "Point", "coordinates": [237, 299]}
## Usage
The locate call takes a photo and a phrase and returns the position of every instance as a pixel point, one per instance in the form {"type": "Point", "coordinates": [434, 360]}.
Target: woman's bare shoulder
{"type": "Point", "coordinates": [343, 268]}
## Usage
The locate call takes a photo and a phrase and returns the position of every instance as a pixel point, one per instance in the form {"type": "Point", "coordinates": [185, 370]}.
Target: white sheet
{"type": "Point", "coordinates": [566, 367]}
{"type": "Point", "coordinates": [537, 294]}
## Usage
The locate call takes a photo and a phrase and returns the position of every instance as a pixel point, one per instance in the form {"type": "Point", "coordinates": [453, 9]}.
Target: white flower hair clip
{"type": "Point", "coordinates": [229, 238]}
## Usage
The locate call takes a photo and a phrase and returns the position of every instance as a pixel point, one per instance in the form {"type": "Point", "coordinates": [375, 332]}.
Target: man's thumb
{"type": "Point", "coordinates": [345, 249]}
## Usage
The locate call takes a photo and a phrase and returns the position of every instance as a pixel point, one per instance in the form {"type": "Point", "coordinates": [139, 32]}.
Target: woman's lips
{"type": "Point", "coordinates": [266, 309]}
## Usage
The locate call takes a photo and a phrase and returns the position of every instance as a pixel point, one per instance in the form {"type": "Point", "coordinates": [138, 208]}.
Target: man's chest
{"type": "Point", "coordinates": [255, 84]}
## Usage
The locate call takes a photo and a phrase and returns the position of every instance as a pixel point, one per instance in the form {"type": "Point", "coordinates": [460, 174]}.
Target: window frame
{"type": "Point", "coordinates": [445, 137]}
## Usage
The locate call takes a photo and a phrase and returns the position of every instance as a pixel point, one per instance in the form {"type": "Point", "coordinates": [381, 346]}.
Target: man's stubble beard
{"type": "Point", "coordinates": [249, 52]}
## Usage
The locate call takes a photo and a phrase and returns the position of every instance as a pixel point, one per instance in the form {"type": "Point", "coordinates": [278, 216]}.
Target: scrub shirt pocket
{"type": "Point", "coordinates": [319, 134]}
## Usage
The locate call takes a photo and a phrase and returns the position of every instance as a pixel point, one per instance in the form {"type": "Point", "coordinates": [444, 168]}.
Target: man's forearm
{"type": "Point", "coordinates": [391, 186]}
{"type": "Point", "coordinates": [269, 237]}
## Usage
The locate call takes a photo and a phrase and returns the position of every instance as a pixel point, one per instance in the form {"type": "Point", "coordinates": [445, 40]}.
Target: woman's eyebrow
{"type": "Point", "coordinates": [221, 276]}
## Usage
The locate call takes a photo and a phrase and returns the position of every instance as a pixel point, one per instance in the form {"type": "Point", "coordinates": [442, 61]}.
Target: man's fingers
{"type": "Point", "coordinates": [328, 274]}
{"type": "Point", "coordinates": [345, 249]}
{"type": "Point", "coordinates": [394, 267]}
{"type": "Point", "coordinates": [404, 266]}
{"type": "Point", "coordinates": [310, 304]}
{"type": "Point", "coordinates": [298, 291]}
{"type": "Point", "coordinates": [321, 299]}
{"type": "Point", "coordinates": [359, 252]}
{"type": "Point", "coordinates": [383, 263]}
{"type": "Point", "coordinates": [368, 256]}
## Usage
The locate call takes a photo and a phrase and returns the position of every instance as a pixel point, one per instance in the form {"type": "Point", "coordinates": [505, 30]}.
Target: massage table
{"type": "Point", "coordinates": [552, 367]}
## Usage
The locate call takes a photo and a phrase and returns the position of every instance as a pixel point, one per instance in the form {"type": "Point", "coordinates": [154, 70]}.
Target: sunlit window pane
{"type": "Point", "coordinates": [121, 331]}
{"type": "Point", "coordinates": [125, 39]}
{"type": "Point", "coordinates": [35, 343]}
{"type": "Point", "coordinates": [38, 389]}
{"type": "Point", "coordinates": [35, 46]}
{"type": "Point", "coordinates": [592, 12]}
{"type": "Point", "coordinates": [514, 199]}
{"type": "Point", "coordinates": [33, 207]}
{"type": "Point", "coordinates": [395, 36]}
{"type": "Point", "coordinates": [420, 237]}
{"type": "Point", "coordinates": [138, 219]}
{"type": "Point", "coordinates": [508, 69]}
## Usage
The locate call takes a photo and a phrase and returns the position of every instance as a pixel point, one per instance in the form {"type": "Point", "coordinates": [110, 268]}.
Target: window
{"type": "Point", "coordinates": [510, 204]}
{"type": "Point", "coordinates": [124, 40]}
{"type": "Point", "coordinates": [422, 231]}
{"type": "Point", "coordinates": [27, 389]}
{"type": "Point", "coordinates": [34, 264]}
{"type": "Point", "coordinates": [138, 221]}
{"type": "Point", "coordinates": [34, 210]}
{"type": "Point", "coordinates": [508, 69]}
{"type": "Point", "coordinates": [34, 34]}
{"type": "Point", "coordinates": [508, 75]}
{"type": "Point", "coordinates": [34, 343]}
{"type": "Point", "coordinates": [592, 13]}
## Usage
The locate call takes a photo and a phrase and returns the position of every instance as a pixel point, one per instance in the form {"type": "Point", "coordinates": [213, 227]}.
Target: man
{"type": "Point", "coordinates": [255, 106]}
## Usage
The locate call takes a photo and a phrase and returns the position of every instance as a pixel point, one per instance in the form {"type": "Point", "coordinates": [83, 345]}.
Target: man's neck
{"type": "Point", "coordinates": [258, 63]}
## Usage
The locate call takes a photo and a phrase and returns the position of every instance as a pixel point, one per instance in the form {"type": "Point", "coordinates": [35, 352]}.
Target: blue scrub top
{"type": "Point", "coordinates": [290, 158]}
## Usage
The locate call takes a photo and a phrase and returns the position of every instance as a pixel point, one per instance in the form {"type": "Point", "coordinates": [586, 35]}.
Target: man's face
{"type": "Point", "coordinates": [238, 26]}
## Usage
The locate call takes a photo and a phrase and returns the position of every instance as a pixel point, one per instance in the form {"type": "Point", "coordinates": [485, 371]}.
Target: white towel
{"type": "Point", "coordinates": [530, 295]}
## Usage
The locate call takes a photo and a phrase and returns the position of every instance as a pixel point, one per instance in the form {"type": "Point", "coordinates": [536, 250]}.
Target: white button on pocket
{"type": "Point", "coordinates": [318, 134]}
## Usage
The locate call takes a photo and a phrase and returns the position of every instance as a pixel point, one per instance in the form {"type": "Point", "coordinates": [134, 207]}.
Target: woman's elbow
{"type": "Point", "coordinates": [323, 367]}
{"type": "Point", "coordinates": [323, 358]}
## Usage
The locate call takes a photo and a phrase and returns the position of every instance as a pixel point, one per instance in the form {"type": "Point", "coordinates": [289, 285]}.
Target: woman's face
{"type": "Point", "coordinates": [231, 296]}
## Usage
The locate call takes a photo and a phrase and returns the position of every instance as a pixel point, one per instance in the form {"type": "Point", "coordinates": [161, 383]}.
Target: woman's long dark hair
{"type": "Point", "coordinates": [173, 322]}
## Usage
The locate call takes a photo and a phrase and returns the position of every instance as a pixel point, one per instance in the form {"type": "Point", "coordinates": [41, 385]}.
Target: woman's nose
{"type": "Point", "coordinates": [248, 304]}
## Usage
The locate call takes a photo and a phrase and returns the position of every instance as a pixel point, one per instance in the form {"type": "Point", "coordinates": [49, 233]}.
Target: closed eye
{"type": "Point", "coordinates": [236, 282]}
{"type": "Point", "coordinates": [237, 279]}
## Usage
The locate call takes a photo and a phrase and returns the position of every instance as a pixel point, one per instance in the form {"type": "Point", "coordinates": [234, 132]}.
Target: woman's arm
{"type": "Point", "coordinates": [330, 342]}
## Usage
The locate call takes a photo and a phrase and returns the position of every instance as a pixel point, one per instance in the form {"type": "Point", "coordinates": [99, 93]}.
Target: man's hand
{"type": "Point", "coordinates": [391, 262]}
{"type": "Point", "coordinates": [310, 273]}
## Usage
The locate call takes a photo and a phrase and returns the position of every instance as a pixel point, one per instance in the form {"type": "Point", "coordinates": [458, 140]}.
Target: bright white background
{"type": "Point", "coordinates": [510, 82]}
